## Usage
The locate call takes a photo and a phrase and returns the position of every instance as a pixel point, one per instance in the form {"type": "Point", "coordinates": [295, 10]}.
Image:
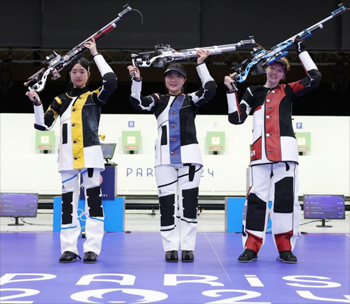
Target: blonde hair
{"type": "Point", "coordinates": [286, 61]}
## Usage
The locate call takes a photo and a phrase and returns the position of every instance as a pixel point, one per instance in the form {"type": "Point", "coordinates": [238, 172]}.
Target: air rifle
{"type": "Point", "coordinates": [261, 56]}
{"type": "Point", "coordinates": [56, 62]}
{"type": "Point", "coordinates": [163, 53]}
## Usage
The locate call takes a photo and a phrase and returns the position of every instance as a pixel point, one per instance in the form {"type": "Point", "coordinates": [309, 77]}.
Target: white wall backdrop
{"type": "Point", "coordinates": [324, 170]}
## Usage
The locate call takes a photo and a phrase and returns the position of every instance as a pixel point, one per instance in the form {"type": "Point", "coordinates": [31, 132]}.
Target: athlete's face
{"type": "Point", "coordinates": [79, 76]}
{"type": "Point", "coordinates": [174, 82]}
{"type": "Point", "coordinates": [274, 73]}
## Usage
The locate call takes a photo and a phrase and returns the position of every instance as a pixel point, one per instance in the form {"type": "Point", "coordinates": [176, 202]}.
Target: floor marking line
{"type": "Point", "coordinates": [222, 266]}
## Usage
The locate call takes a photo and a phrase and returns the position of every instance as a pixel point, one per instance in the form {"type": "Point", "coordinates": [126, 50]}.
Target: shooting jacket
{"type": "Point", "coordinates": [177, 143]}
{"type": "Point", "coordinates": [80, 111]}
{"type": "Point", "coordinates": [273, 135]}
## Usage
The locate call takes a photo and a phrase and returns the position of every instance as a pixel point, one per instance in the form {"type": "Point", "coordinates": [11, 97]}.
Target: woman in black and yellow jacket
{"type": "Point", "coordinates": [79, 152]}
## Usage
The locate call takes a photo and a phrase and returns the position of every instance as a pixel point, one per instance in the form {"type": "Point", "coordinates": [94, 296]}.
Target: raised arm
{"type": "Point", "coordinates": [109, 79]}
{"type": "Point", "coordinates": [139, 102]}
{"type": "Point", "coordinates": [313, 76]}
{"type": "Point", "coordinates": [237, 111]}
{"type": "Point", "coordinates": [44, 122]}
{"type": "Point", "coordinates": [208, 89]}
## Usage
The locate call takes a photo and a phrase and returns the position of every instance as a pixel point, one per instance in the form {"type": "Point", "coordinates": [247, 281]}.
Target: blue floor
{"type": "Point", "coordinates": [131, 269]}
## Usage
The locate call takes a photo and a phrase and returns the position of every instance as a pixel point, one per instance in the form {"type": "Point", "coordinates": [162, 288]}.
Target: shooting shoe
{"type": "Point", "coordinates": [171, 256]}
{"type": "Point", "coordinates": [247, 256]}
{"type": "Point", "coordinates": [68, 257]}
{"type": "Point", "coordinates": [287, 257]}
{"type": "Point", "coordinates": [187, 256]}
{"type": "Point", "coordinates": [90, 257]}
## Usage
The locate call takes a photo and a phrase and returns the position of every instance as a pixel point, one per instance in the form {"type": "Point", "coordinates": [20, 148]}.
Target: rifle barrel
{"type": "Point", "coordinates": [319, 25]}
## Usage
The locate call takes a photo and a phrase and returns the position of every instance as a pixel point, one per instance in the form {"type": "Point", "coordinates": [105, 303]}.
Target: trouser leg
{"type": "Point", "coordinates": [70, 226]}
{"type": "Point", "coordinates": [166, 177]}
{"type": "Point", "coordinates": [285, 213]}
{"type": "Point", "coordinates": [256, 212]}
{"type": "Point", "coordinates": [94, 226]}
{"type": "Point", "coordinates": [189, 178]}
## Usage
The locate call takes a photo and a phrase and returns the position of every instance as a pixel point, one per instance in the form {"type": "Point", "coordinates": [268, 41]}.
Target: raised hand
{"type": "Point", "coordinates": [300, 44]}
{"type": "Point", "coordinates": [230, 83]}
{"type": "Point", "coordinates": [134, 72]}
{"type": "Point", "coordinates": [91, 45]}
{"type": "Point", "coordinates": [34, 97]}
{"type": "Point", "coordinates": [202, 55]}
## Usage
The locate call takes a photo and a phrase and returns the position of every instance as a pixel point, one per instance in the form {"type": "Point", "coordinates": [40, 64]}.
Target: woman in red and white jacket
{"type": "Point", "coordinates": [274, 155]}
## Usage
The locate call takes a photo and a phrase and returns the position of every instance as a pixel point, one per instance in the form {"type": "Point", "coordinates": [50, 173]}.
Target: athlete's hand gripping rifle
{"type": "Point", "coordinates": [57, 62]}
{"type": "Point", "coordinates": [261, 56]}
{"type": "Point", "coordinates": [163, 53]}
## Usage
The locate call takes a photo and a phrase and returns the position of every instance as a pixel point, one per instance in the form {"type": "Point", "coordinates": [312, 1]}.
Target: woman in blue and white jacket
{"type": "Point", "coordinates": [178, 159]}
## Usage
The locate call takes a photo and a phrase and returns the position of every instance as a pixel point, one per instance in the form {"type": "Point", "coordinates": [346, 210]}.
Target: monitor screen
{"type": "Point", "coordinates": [324, 206]}
{"type": "Point", "coordinates": [108, 150]}
{"type": "Point", "coordinates": [18, 204]}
